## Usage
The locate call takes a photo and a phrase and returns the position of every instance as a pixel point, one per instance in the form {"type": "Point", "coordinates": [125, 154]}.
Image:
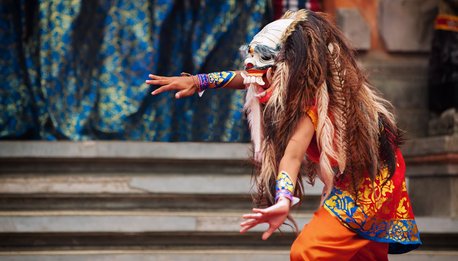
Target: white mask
{"type": "Point", "coordinates": [265, 45]}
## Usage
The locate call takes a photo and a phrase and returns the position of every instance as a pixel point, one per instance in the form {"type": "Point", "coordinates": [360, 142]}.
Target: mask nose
{"type": "Point", "coordinates": [249, 66]}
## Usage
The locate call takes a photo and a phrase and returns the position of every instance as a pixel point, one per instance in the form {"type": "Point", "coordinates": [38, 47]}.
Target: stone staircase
{"type": "Point", "coordinates": [147, 201]}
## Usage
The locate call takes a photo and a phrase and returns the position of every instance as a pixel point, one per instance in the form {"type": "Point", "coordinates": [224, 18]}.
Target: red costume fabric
{"type": "Point", "coordinates": [380, 210]}
{"type": "Point", "coordinates": [281, 6]}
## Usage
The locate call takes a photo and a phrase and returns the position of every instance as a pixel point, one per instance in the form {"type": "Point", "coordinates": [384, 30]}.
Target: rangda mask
{"type": "Point", "coordinates": [262, 51]}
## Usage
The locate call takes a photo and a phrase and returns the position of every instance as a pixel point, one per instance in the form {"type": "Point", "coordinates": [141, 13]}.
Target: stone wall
{"type": "Point", "coordinates": [393, 39]}
{"type": "Point", "coordinates": [407, 25]}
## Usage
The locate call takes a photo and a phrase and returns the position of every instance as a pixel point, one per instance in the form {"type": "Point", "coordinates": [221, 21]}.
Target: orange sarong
{"type": "Point", "coordinates": [325, 238]}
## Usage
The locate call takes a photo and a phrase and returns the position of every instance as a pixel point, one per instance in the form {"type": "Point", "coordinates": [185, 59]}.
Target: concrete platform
{"type": "Point", "coordinates": [196, 255]}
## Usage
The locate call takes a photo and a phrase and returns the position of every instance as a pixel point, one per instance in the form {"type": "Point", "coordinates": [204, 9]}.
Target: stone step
{"type": "Point", "coordinates": [126, 221]}
{"type": "Point", "coordinates": [115, 158]}
{"type": "Point", "coordinates": [126, 168]}
{"type": "Point", "coordinates": [170, 229]}
{"type": "Point", "coordinates": [163, 151]}
{"type": "Point", "coordinates": [117, 175]}
{"type": "Point", "coordinates": [228, 254]}
{"type": "Point", "coordinates": [22, 242]}
{"type": "Point", "coordinates": [133, 183]}
{"type": "Point", "coordinates": [82, 196]}
{"type": "Point", "coordinates": [151, 255]}
{"type": "Point", "coordinates": [32, 230]}
{"type": "Point", "coordinates": [157, 191]}
{"type": "Point", "coordinates": [156, 202]}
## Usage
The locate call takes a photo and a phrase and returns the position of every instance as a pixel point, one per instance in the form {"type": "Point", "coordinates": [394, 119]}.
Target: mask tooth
{"type": "Point", "coordinates": [260, 81]}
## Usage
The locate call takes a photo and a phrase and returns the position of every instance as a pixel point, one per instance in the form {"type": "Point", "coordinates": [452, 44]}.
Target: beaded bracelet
{"type": "Point", "coordinates": [214, 80]}
{"type": "Point", "coordinates": [195, 81]}
{"type": "Point", "coordinates": [203, 82]}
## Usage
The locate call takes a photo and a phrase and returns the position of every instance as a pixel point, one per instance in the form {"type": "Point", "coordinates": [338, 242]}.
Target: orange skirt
{"type": "Point", "coordinates": [325, 238]}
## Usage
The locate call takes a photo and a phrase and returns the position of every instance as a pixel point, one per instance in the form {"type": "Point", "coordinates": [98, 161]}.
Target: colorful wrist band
{"type": "Point", "coordinates": [215, 80]}
{"type": "Point", "coordinates": [284, 194]}
{"type": "Point", "coordinates": [203, 82]}
{"type": "Point", "coordinates": [284, 186]}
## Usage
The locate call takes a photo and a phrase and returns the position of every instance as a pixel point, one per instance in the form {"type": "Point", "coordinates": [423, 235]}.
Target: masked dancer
{"type": "Point", "coordinates": [312, 113]}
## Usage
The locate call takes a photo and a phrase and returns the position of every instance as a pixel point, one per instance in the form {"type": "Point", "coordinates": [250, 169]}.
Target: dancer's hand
{"type": "Point", "coordinates": [274, 215]}
{"type": "Point", "coordinates": [184, 85]}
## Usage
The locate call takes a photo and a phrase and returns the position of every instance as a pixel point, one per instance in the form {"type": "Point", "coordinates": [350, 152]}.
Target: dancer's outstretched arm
{"type": "Point", "coordinates": [187, 85]}
{"type": "Point", "coordinates": [290, 163]}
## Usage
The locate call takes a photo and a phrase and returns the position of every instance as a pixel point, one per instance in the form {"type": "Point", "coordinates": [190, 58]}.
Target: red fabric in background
{"type": "Point", "coordinates": [280, 6]}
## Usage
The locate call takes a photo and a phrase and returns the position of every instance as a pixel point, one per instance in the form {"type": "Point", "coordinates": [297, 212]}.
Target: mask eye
{"type": "Point", "coordinates": [265, 53]}
{"type": "Point", "coordinates": [266, 57]}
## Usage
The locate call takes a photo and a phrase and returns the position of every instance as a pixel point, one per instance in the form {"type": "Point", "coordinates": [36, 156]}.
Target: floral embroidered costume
{"type": "Point", "coordinates": [381, 211]}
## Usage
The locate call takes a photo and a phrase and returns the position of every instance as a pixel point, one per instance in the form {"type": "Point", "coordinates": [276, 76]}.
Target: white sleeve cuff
{"type": "Point", "coordinates": [295, 201]}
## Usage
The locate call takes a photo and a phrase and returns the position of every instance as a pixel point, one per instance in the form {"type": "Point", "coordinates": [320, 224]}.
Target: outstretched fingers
{"type": "Point", "coordinates": [164, 88]}
{"type": "Point", "coordinates": [155, 77]}
{"type": "Point", "coordinates": [157, 80]}
{"type": "Point", "coordinates": [251, 222]}
{"type": "Point", "coordinates": [260, 210]}
{"type": "Point", "coordinates": [248, 225]}
{"type": "Point", "coordinates": [269, 232]}
{"type": "Point", "coordinates": [164, 83]}
{"type": "Point", "coordinates": [256, 216]}
{"type": "Point", "coordinates": [184, 93]}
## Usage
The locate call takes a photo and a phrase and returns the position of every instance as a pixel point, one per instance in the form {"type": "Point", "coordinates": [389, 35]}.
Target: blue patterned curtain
{"type": "Point", "coordinates": [76, 69]}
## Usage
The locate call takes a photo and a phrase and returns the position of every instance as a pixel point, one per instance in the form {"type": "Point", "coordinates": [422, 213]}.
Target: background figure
{"type": "Point", "coordinates": [281, 6]}
{"type": "Point", "coordinates": [443, 71]}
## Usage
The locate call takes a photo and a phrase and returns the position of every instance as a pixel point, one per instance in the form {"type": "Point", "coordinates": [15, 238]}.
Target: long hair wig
{"type": "Point", "coordinates": [356, 131]}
